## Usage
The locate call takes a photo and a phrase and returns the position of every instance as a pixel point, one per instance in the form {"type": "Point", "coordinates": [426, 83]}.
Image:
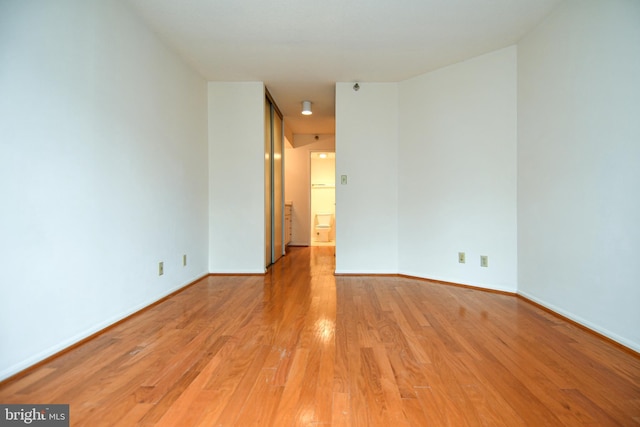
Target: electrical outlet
{"type": "Point", "coordinates": [160, 268]}
{"type": "Point", "coordinates": [484, 261]}
{"type": "Point", "coordinates": [184, 260]}
{"type": "Point", "coordinates": [461, 258]}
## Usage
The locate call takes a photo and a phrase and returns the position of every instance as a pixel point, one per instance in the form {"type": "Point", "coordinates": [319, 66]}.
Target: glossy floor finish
{"type": "Point", "coordinates": [302, 347]}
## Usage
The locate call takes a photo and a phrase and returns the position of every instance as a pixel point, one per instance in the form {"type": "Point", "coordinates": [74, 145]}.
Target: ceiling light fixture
{"type": "Point", "coordinates": [306, 108]}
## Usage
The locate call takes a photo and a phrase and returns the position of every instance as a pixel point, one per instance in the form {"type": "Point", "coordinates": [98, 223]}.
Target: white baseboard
{"type": "Point", "coordinates": [51, 351]}
{"type": "Point", "coordinates": [479, 285]}
{"type": "Point", "coordinates": [621, 340]}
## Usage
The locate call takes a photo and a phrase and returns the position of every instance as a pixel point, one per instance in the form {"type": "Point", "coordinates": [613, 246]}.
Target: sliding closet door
{"type": "Point", "coordinates": [278, 187]}
{"type": "Point", "coordinates": [273, 182]}
{"type": "Point", "coordinates": [268, 172]}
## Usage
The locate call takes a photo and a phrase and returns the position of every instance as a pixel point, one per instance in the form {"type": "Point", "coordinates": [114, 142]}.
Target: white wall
{"type": "Point", "coordinates": [323, 171]}
{"type": "Point", "coordinates": [366, 151]}
{"type": "Point", "coordinates": [297, 180]}
{"type": "Point", "coordinates": [578, 165]}
{"type": "Point", "coordinates": [236, 177]}
{"type": "Point", "coordinates": [457, 172]}
{"type": "Point", "coordinates": [103, 173]}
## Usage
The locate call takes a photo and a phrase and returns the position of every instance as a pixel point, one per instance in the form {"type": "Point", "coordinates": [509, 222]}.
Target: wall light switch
{"type": "Point", "coordinates": [343, 179]}
{"type": "Point", "coordinates": [184, 260]}
{"type": "Point", "coordinates": [160, 268]}
{"type": "Point", "coordinates": [462, 258]}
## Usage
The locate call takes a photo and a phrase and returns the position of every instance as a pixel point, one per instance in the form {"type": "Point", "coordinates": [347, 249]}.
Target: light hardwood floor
{"type": "Point", "coordinates": [302, 347]}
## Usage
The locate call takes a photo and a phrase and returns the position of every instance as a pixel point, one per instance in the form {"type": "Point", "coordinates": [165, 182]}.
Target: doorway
{"type": "Point", "coordinates": [323, 198]}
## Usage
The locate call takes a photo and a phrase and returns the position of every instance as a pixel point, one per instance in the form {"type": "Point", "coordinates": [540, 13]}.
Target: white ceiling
{"type": "Point", "coordinates": [300, 48]}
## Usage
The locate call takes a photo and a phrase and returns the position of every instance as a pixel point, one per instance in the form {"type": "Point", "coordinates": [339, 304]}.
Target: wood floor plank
{"type": "Point", "coordinates": [302, 347]}
{"type": "Point", "coordinates": [340, 413]}
{"type": "Point", "coordinates": [238, 400]}
{"type": "Point", "coordinates": [261, 403]}
{"type": "Point", "coordinates": [390, 391]}
{"type": "Point", "coordinates": [288, 410]}
{"type": "Point", "coordinates": [411, 334]}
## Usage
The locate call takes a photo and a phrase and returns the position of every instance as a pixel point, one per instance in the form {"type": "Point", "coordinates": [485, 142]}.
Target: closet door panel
{"type": "Point", "coordinates": [278, 187]}
{"type": "Point", "coordinates": [268, 131]}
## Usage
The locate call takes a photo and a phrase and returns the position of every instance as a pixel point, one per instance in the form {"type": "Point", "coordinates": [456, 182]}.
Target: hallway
{"type": "Point", "coordinates": [303, 347]}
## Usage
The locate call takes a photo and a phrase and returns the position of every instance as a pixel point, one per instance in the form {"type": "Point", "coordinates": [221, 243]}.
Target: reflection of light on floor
{"type": "Point", "coordinates": [325, 329]}
{"type": "Point", "coordinates": [305, 417]}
